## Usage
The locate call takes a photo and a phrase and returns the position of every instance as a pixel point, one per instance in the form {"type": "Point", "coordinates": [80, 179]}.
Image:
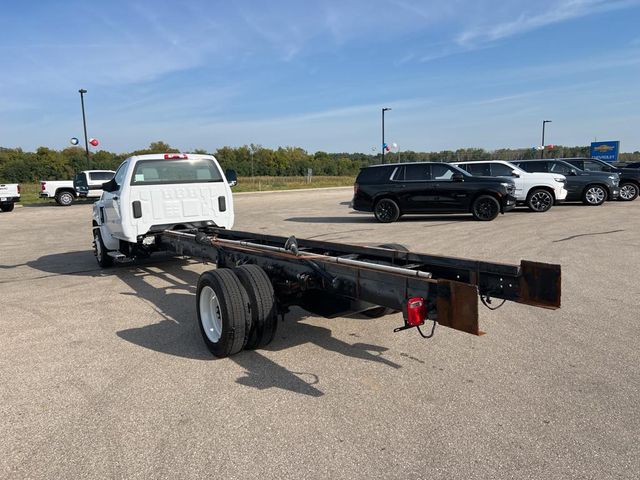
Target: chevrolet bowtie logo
{"type": "Point", "coordinates": [604, 148]}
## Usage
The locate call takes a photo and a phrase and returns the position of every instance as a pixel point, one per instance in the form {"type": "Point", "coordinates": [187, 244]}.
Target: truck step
{"type": "Point", "coordinates": [119, 257]}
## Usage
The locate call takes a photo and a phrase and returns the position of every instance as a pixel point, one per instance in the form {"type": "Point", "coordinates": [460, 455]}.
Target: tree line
{"type": "Point", "coordinates": [17, 165]}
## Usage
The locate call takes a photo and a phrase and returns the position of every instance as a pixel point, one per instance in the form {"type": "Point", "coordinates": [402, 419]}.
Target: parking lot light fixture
{"type": "Point", "coordinates": [384, 109]}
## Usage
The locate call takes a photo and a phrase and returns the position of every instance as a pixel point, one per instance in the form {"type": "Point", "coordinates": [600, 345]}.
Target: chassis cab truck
{"type": "Point", "coordinates": [152, 193]}
{"type": "Point", "coordinates": [181, 203]}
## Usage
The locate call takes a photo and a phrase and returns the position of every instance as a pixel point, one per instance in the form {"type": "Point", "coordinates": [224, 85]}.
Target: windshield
{"type": "Point", "coordinates": [158, 172]}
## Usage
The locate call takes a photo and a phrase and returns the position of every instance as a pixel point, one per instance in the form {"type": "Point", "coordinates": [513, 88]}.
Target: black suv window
{"type": "Point", "coordinates": [533, 166]}
{"type": "Point", "coordinates": [373, 175]}
{"type": "Point", "coordinates": [501, 170]}
{"type": "Point", "coordinates": [417, 172]}
{"type": "Point", "coordinates": [560, 167]}
{"type": "Point", "coordinates": [595, 166]}
{"type": "Point", "coordinates": [478, 169]}
{"type": "Point", "coordinates": [440, 171]}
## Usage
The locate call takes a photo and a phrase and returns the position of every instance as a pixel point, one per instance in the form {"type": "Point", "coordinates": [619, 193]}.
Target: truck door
{"type": "Point", "coordinates": [112, 203]}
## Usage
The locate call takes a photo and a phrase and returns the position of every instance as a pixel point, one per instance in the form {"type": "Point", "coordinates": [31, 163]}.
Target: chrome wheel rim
{"type": "Point", "coordinates": [628, 191]}
{"type": "Point", "coordinates": [541, 201]}
{"type": "Point", "coordinates": [210, 314]}
{"type": "Point", "coordinates": [595, 195]}
{"type": "Point", "coordinates": [66, 198]}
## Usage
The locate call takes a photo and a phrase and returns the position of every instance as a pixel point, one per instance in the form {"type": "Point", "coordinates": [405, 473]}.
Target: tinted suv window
{"type": "Point", "coordinates": [594, 166]}
{"type": "Point", "coordinates": [417, 172]}
{"type": "Point", "coordinates": [441, 172]}
{"type": "Point", "coordinates": [560, 167]}
{"type": "Point", "coordinates": [533, 166]}
{"type": "Point", "coordinates": [373, 175]}
{"type": "Point", "coordinates": [478, 169]}
{"type": "Point", "coordinates": [501, 170]}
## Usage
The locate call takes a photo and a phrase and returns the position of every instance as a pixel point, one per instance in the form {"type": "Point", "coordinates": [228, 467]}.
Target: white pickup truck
{"type": "Point", "coordinates": [539, 191]}
{"type": "Point", "coordinates": [87, 184]}
{"type": "Point", "coordinates": [157, 192]}
{"type": "Point", "coordinates": [9, 195]}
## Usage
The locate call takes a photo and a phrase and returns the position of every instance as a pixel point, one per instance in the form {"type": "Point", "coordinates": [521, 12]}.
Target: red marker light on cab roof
{"type": "Point", "coordinates": [173, 156]}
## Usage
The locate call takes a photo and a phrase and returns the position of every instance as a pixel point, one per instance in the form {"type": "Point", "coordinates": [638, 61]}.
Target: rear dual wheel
{"type": "Point", "coordinates": [236, 309]}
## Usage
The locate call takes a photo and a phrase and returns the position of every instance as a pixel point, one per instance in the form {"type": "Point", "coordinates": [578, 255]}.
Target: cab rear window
{"type": "Point", "coordinates": [159, 172]}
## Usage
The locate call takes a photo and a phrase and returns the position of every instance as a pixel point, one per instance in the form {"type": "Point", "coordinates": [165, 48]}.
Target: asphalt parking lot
{"type": "Point", "coordinates": [104, 374]}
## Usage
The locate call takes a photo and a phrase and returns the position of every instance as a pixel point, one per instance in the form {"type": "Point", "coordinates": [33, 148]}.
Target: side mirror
{"type": "Point", "coordinates": [457, 177]}
{"type": "Point", "coordinates": [515, 174]}
{"type": "Point", "coordinates": [110, 186]}
{"type": "Point", "coordinates": [573, 172]}
{"type": "Point", "coordinates": [232, 177]}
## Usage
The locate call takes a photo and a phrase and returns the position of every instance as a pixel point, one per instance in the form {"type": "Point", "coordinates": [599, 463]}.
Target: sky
{"type": "Point", "coordinates": [315, 74]}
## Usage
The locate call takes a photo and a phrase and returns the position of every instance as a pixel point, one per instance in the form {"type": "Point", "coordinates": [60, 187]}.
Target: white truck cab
{"type": "Point", "coordinates": [539, 191]}
{"type": "Point", "coordinates": [156, 192]}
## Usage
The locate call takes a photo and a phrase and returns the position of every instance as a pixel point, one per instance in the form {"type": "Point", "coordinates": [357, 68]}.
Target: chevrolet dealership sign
{"type": "Point", "coordinates": [607, 151]}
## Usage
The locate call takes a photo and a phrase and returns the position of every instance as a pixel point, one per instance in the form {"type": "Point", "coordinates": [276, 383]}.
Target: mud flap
{"type": "Point", "coordinates": [540, 284]}
{"type": "Point", "coordinates": [457, 306]}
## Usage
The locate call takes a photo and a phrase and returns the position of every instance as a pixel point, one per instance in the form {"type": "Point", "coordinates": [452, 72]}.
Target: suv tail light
{"type": "Point", "coordinates": [356, 187]}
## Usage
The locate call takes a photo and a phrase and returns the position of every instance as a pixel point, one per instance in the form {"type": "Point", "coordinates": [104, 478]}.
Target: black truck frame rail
{"type": "Point", "coordinates": [333, 279]}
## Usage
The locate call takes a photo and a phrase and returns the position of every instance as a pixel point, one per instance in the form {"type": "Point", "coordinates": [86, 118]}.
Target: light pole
{"type": "Point", "coordinates": [544, 122]}
{"type": "Point", "coordinates": [82, 91]}
{"type": "Point", "coordinates": [384, 109]}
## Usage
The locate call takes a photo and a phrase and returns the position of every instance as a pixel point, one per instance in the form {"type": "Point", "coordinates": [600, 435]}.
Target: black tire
{"type": "Point", "coordinates": [264, 318]}
{"type": "Point", "coordinates": [540, 200]}
{"type": "Point", "coordinates": [382, 311]}
{"type": "Point", "coordinates": [100, 251]}
{"type": "Point", "coordinates": [628, 191]}
{"type": "Point", "coordinates": [7, 207]}
{"type": "Point", "coordinates": [485, 208]}
{"type": "Point", "coordinates": [227, 309]}
{"type": "Point", "coordinates": [65, 198]}
{"type": "Point", "coordinates": [594, 195]}
{"type": "Point", "coordinates": [386, 210]}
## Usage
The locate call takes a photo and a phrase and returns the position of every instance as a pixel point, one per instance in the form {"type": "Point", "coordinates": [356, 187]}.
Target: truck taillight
{"type": "Point", "coordinates": [43, 186]}
{"type": "Point", "coordinates": [18, 189]}
{"type": "Point", "coordinates": [416, 311]}
{"type": "Point", "coordinates": [174, 156]}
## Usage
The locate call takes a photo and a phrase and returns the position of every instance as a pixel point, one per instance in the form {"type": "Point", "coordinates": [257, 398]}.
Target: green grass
{"type": "Point", "coordinates": [30, 191]}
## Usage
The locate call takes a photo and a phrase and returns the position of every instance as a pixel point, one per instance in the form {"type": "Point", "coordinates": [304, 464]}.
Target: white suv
{"type": "Point", "coordinates": [539, 191]}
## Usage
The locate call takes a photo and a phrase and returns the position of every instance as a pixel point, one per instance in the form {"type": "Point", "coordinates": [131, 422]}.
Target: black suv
{"type": "Point", "coordinates": [629, 177]}
{"type": "Point", "coordinates": [401, 188]}
{"type": "Point", "coordinates": [593, 188]}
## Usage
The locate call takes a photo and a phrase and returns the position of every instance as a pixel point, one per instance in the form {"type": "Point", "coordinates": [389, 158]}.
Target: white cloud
{"type": "Point", "coordinates": [561, 11]}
